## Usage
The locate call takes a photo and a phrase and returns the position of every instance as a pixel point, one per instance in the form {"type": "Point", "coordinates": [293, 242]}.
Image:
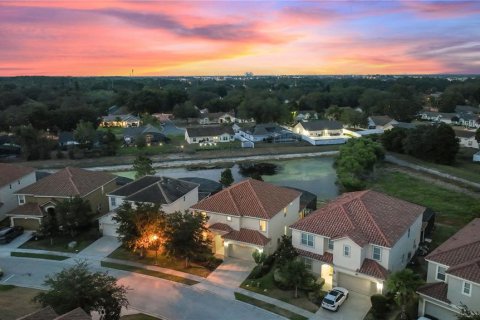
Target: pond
{"type": "Point", "coordinates": [315, 175]}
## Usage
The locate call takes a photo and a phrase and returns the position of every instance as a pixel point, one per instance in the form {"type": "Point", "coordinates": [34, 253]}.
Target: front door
{"type": "Point", "coordinates": [327, 275]}
{"type": "Point", "coordinates": [218, 245]}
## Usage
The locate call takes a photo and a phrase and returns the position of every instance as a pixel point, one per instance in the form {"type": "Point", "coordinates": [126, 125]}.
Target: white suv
{"type": "Point", "coordinates": [334, 299]}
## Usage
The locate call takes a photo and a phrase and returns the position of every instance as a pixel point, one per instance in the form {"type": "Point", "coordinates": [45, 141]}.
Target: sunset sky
{"type": "Point", "coordinates": [83, 37]}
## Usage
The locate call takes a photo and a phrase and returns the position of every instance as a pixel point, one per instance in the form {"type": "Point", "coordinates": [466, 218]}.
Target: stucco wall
{"type": "Point", "coordinates": [182, 203]}
{"type": "Point", "coordinates": [404, 246]}
{"type": "Point", "coordinates": [455, 295]}
{"type": "Point", "coordinates": [7, 197]}
{"type": "Point", "coordinates": [353, 262]}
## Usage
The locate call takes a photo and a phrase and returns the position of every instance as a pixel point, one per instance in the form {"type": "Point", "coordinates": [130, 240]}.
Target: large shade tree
{"type": "Point", "coordinates": [73, 214]}
{"type": "Point", "coordinates": [143, 166]}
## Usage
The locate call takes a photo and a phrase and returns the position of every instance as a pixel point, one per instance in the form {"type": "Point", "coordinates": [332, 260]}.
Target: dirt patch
{"type": "Point", "coordinates": [17, 302]}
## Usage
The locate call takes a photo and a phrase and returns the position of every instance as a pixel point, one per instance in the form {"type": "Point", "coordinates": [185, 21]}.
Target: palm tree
{"type": "Point", "coordinates": [403, 285]}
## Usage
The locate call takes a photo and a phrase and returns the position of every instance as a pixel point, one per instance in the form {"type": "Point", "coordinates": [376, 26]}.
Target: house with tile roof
{"type": "Point", "coordinates": [170, 194]}
{"type": "Point", "coordinates": [453, 276]}
{"type": "Point", "coordinates": [209, 134]}
{"type": "Point", "coordinates": [12, 179]}
{"type": "Point", "coordinates": [357, 239]}
{"type": "Point", "coordinates": [41, 197]}
{"type": "Point", "coordinates": [248, 216]}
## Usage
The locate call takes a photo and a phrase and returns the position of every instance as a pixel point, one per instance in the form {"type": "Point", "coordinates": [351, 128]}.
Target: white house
{"type": "Point", "coordinates": [209, 134]}
{"type": "Point", "coordinates": [476, 157]}
{"type": "Point", "coordinates": [453, 277]}
{"type": "Point", "coordinates": [262, 132]}
{"type": "Point", "coordinates": [319, 132]}
{"type": "Point", "coordinates": [380, 122]}
{"type": "Point", "coordinates": [170, 194]}
{"type": "Point", "coordinates": [248, 216]}
{"type": "Point", "coordinates": [12, 179]}
{"type": "Point", "coordinates": [358, 238]}
{"type": "Point", "coordinates": [467, 138]}
{"type": "Point", "coordinates": [306, 115]}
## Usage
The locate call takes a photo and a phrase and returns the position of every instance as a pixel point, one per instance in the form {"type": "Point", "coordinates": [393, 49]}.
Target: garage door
{"type": "Point", "coordinates": [438, 312]}
{"type": "Point", "coordinates": [27, 224]}
{"type": "Point", "coordinates": [241, 252]}
{"type": "Point", "coordinates": [109, 229]}
{"type": "Point", "coordinates": [356, 284]}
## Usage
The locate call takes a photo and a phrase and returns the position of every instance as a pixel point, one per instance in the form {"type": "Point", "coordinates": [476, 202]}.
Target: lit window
{"type": "Point", "coordinates": [330, 244]}
{"type": "Point", "coordinates": [441, 273]}
{"type": "Point", "coordinates": [346, 250]}
{"type": "Point", "coordinates": [307, 239]}
{"type": "Point", "coordinates": [467, 288]}
{"type": "Point", "coordinates": [229, 218]}
{"type": "Point", "coordinates": [21, 199]}
{"type": "Point", "coordinates": [263, 225]}
{"type": "Point", "coordinates": [308, 263]}
{"type": "Point", "coordinates": [377, 253]}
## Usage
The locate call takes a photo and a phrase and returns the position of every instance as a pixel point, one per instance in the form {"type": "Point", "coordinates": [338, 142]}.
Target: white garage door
{"type": "Point", "coordinates": [241, 252]}
{"type": "Point", "coordinates": [438, 312]}
{"type": "Point", "coordinates": [109, 229]}
{"type": "Point", "coordinates": [356, 284]}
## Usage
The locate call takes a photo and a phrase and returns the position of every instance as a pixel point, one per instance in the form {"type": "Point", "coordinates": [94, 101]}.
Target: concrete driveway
{"type": "Point", "coordinates": [354, 308]}
{"type": "Point", "coordinates": [17, 242]}
{"type": "Point", "coordinates": [100, 248]}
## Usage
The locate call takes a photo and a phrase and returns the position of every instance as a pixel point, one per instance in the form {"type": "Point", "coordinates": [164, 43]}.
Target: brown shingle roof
{"type": "Point", "coordinates": [437, 290]}
{"type": "Point", "coordinates": [28, 209]}
{"type": "Point", "coordinates": [46, 313]}
{"type": "Point", "coordinates": [365, 216]}
{"type": "Point", "coordinates": [220, 227]}
{"type": "Point", "coordinates": [251, 198]}
{"type": "Point", "coordinates": [75, 314]}
{"type": "Point", "coordinates": [68, 182]}
{"type": "Point", "coordinates": [373, 269]}
{"type": "Point", "coordinates": [10, 172]}
{"type": "Point", "coordinates": [327, 257]}
{"type": "Point", "coordinates": [247, 236]}
{"type": "Point", "coordinates": [461, 252]}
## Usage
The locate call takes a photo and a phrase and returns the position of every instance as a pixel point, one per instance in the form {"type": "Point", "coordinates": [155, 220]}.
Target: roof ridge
{"type": "Point", "coordinates": [371, 218]}
{"type": "Point", "coordinates": [139, 190]}
{"type": "Point", "coordinates": [70, 175]}
{"type": "Point", "coordinates": [464, 264]}
{"type": "Point", "coordinates": [233, 200]}
{"type": "Point", "coordinates": [162, 191]}
{"type": "Point", "coordinates": [433, 254]}
{"type": "Point", "coordinates": [249, 181]}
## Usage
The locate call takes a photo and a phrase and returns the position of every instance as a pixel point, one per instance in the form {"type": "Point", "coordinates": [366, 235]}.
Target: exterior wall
{"type": "Point", "coordinates": [318, 242]}
{"type": "Point", "coordinates": [353, 262]}
{"type": "Point", "coordinates": [98, 198]}
{"type": "Point", "coordinates": [183, 203]}
{"type": "Point", "coordinates": [405, 247]}
{"type": "Point", "coordinates": [279, 224]}
{"type": "Point", "coordinates": [469, 142]}
{"type": "Point", "coordinates": [225, 137]}
{"type": "Point", "coordinates": [432, 272]}
{"type": "Point", "coordinates": [222, 218]}
{"type": "Point", "coordinates": [7, 197]}
{"type": "Point", "coordinates": [118, 202]}
{"type": "Point", "coordinates": [455, 295]}
{"type": "Point", "coordinates": [435, 309]}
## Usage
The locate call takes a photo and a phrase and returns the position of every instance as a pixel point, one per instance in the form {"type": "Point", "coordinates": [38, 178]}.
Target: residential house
{"type": "Point", "coordinates": [48, 313]}
{"type": "Point", "coordinates": [151, 134]}
{"type": "Point", "coordinates": [263, 132]}
{"type": "Point", "coordinates": [9, 147]}
{"type": "Point", "coordinates": [41, 197]}
{"type": "Point", "coordinates": [476, 157]}
{"type": "Point", "coordinates": [170, 194]}
{"type": "Point", "coordinates": [67, 139]}
{"type": "Point", "coordinates": [306, 115]}
{"type": "Point", "coordinates": [220, 118]}
{"type": "Point", "coordinates": [467, 138]}
{"type": "Point", "coordinates": [248, 216]}
{"type": "Point", "coordinates": [444, 117]}
{"type": "Point", "coordinates": [469, 120]}
{"type": "Point", "coordinates": [163, 117]}
{"type": "Point", "coordinates": [380, 122]}
{"type": "Point", "coordinates": [355, 240]}
{"type": "Point", "coordinates": [467, 109]}
{"type": "Point", "coordinates": [12, 179]}
{"type": "Point", "coordinates": [120, 120]}
{"type": "Point", "coordinates": [453, 276]}
{"type": "Point", "coordinates": [403, 125]}
{"type": "Point", "coordinates": [319, 132]}
{"type": "Point", "coordinates": [209, 134]}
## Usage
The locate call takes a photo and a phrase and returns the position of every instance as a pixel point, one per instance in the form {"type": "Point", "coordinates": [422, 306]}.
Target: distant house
{"type": "Point", "coordinates": [209, 134]}
{"type": "Point", "coordinates": [170, 194]}
{"type": "Point", "coordinates": [12, 179]}
{"type": "Point", "coordinates": [263, 132]}
{"type": "Point", "coordinates": [9, 146]}
{"type": "Point", "coordinates": [67, 139]}
{"type": "Point", "coordinates": [453, 277]}
{"type": "Point", "coordinates": [48, 313]}
{"type": "Point", "coordinates": [357, 239]}
{"type": "Point", "coordinates": [469, 120]}
{"type": "Point", "coordinates": [121, 120]}
{"type": "Point", "coordinates": [467, 109]}
{"type": "Point", "coordinates": [403, 125]}
{"type": "Point", "coordinates": [380, 122]}
{"type": "Point", "coordinates": [306, 115]}
{"type": "Point", "coordinates": [41, 197]}
{"type": "Point", "coordinates": [476, 157]}
{"type": "Point", "coordinates": [467, 138]}
{"type": "Point", "coordinates": [220, 118]}
{"type": "Point", "coordinates": [163, 117]}
{"type": "Point", "coordinates": [319, 132]}
{"type": "Point", "coordinates": [444, 117]}
{"type": "Point", "coordinates": [151, 134]}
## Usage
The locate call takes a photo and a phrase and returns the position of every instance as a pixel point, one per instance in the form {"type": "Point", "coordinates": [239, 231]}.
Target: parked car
{"type": "Point", "coordinates": [334, 298]}
{"type": "Point", "coordinates": [7, 234]}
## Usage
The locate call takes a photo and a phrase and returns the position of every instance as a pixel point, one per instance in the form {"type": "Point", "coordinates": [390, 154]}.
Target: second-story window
{"type": "Point", "coordinates": [307, 239]}
{"type": "Point", "coordinates": [408, 233]}
{"type": "Point", "coordinates": [229, 218]}
{"type": "Point", "coordinates": [263, 225]}
{"type": "Point", "coordinates": [113, 201]}
{"type": "Point", "coordinates": [441, 273]}
{"type": "Point", "coordinates": [376, 253]}
{"type": "Point", "coordinates": [21, 199]}
{"type": "Point", "coordinates": [308, 263]}
{"type": "Point", "coordinates": [346, 250]}
{"type": "Point", "coordinates": [467, 288]}
{"type": "Point", "coordinates": [330, 244]}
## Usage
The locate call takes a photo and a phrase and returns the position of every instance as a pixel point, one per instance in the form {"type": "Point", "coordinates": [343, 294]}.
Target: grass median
{"type": "Point", "coordinates": [38, 256]}
{"type": "Point", "coordinates": [268, 306]}
{"type": "Point", "coordinates": [148, 272]}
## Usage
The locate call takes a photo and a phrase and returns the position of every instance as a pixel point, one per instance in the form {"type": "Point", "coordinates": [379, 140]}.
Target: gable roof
{"type": "Point", "coordinates": [251, 198]}
{"type": "Point", "coordinates": [152, 189]}
{"type": "Point", "coordinates": [261, 128]}
{"type": "Point", "coordinates": [68, 182]}
{"type": "Point", "coordinates": [363, 216]}
{"type": "Point", "coordinates": [461, 252]}
{"type": "Point", "coordinates": [381, 120]}
{"type": "Point", "coordinates": [136, 131]}
{"type": "Point", "coordinates": [11, 172]}
{"type": "Point", "coordinates": [321, 125]}
{"type": "Point", "coordinates": [209, 131]}
{"type": "Point", "coordinates": [436, 290]}
{"type": "Point", "coordinates": [46, 313]}
{"type": "Point", "coordinates": [247, 236]}
{"type": "Point", "coordinates": [28, 209]}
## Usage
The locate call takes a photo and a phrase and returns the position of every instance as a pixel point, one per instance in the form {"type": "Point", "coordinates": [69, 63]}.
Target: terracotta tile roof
{"type": "Point", "coordinates": [221, 227]}
{"type": "Point", "coordinates": [327, 257]}
{"type": "Point", "coordinates": [247, 236]}
{"type": "Point", "coordinates": [373, 269]}
{"type": "Point", "coordinates": [469, 270]}
{"type": "Point", "coordinates": [28, 209]}
{"type": "Point", "coordinates": [251, 198]}
{"type": "Point", "coordinates": [437, 290]}
{"type": "Point", "coordinates": [75, 314]}
{"type": "Point", "coordinates": [46, 313]}
{"type": "Point", "coordinates": [68, 182]}
{"type": "Point", "coordinates": [365, 216]}
{"type": "Point", "coordinates": [11, 172]}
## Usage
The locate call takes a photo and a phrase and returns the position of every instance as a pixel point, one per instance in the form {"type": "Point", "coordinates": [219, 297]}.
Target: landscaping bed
{"type": "Point", "coordinates": [268, 306]}
{"type": "Point", "coordinates": [38, 256]}
{"type": "Point", "coordinates": [60, 244]}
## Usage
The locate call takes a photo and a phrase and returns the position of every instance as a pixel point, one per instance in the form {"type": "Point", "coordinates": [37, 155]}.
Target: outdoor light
{"type": "Point", "coordinates": [379, 286]}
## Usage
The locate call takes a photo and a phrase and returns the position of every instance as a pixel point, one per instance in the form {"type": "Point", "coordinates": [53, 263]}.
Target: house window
{"type": "Point", "coordinates": [113, 201]}
{"type": "Point", "coordinates": [308, 263]}
{"type": "Point", "coordinates": [284, 212]}
{"type": "Point", "coordinates": [229, 218]}
{"type": "Point", "coordinates": [377, 253]}
{"type": "Point", "coordinates": [99, 207]}
{"type": "Point", "coordinates": [408, 235]}
{"type": "Point", "coordinates": [467, 288]}
{"type": "Point", "coordinates": [440, 273]}
{"type": "Point", "coordinates": [330, 244]}
{"type": "Point", "coordinates": [10, 186]}
{"type": "Point", "coordinates": [346, 250]}
{"type": "Point", "coordinates": [263, 225]}
{"type": "Point", "coordinates": [21, 199]}
{"type": "Point", "coordinates": [307, 239]}
{"type": "Point", "coordinates": [18, 181]}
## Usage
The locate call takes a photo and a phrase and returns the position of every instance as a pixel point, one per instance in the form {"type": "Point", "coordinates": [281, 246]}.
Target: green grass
{"type": "Point", "coordinates": [161, 261]}
{"type": "Point", "coordinates": [268, 306]}
{"type": "Point", "coordinates": [60, 244]}
{"type": "Point", "coordinates": [147, 272]}
{"type": "Point", "coordinates": [38, 256]}
{"type": "Point", "coordinates": [139, 316]}
{"type": "Point", "coordinates": [6, 287]}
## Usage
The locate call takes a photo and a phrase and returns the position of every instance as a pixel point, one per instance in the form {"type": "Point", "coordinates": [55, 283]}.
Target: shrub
{"type": "Point", "coordinates": [256, 273]}
{"type": "Point", "coordinates": [316, 296]}
{"type": "Point", "coordinates": [212, 263]}
{"type": "Point", "coordinates": [379, 305]}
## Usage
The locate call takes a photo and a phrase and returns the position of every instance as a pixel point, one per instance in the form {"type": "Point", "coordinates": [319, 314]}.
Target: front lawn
{"type": "Point", "coordinates": [16, 302]}
{"type": "Point", "coordinates": [195, 268]}
{"type": "Point", "coordinates": [268, 306]}
{"type": "Point", "coordinates": [60, 244]}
